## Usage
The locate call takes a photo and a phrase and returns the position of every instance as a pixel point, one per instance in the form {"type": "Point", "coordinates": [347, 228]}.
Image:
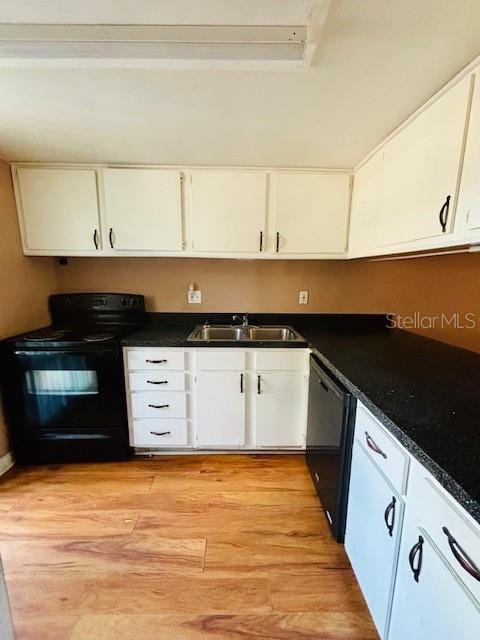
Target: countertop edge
{"type": "Point", "coordinates": [445, 479]}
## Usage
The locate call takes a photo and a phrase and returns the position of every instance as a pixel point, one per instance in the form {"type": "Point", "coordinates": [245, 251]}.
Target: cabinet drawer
{"type": "Point", "coordinates": [159, 433]}
{"type": "Point", "coordinates": [457, 538]}
{"type": "Point", "coordinates": [286, 360]}
{"type": "Point", "coordinates": [157, 381]}
{"type": "Point", "coordinates": [213, 360]}
{"type": "Point", "coordinates": [388, 456]}
{"type": "Point", "coordinates": [148, 359]}
{"type": "Point", "coordinates": [159, 404]}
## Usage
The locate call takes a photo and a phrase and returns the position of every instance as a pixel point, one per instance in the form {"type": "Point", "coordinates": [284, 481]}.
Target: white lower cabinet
{"type": "Point", "coordinates": [279, 409]}
{"type": "Point", "coordinates": [430, 603]}
{"type": "Point", "coordinates": [416, 555]}
{"type": "Point", "coordinates": [217, 398]}
{"type": "Point", "coordinates": [372, 537]}
{"type": "Point", "coordinates": [220, 408]}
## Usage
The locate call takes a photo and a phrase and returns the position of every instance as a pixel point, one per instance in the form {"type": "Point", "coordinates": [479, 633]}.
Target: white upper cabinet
{"type": "Point", "coordinates": [311, 213]}
{"type": "Point", "coordinates": [58, 210]}
{"type": "Point", "coordinates": [421, 171]}
{"type": "Point", "coordinates": [228, 211]}
{"type": "Point", "coordinates": [366, 207]}
{"type": "Point", "coordinates": [468, 212]}
{"type": "Point", "coordinates": [143, 210]}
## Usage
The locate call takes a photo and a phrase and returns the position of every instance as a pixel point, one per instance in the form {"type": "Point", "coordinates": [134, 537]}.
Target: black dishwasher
{"type": "Point", "coordinates": [331, 416]}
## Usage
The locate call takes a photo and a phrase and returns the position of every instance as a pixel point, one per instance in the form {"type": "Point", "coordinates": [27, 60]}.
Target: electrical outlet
{"type": "Point", "coordinates": [194, 297]}
{"type": "Point", "coordinates": [303, 297]}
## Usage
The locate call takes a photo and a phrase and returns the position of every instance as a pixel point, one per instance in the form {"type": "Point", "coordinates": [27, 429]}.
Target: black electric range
{"type": "Point", "coordinates": [63, 385]}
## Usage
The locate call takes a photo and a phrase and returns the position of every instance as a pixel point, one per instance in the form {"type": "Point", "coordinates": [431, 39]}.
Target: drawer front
{"type": "Point", "coordinates": [149, 359]}
{"type": "Point", "coordinates": [157, 381]}
{"type": "Point", "coordinates": [159, 433]}
{"type": "Point", "coordinates": [286, 360]}
{"type": "Point", "coordinates": [454, 534]}
{"type": "Point", "coordinates": [159, 404]}
{"type": "Point", "coordinates": [218, 360]}
{"type": "Point", "coordinates": [382, 449]}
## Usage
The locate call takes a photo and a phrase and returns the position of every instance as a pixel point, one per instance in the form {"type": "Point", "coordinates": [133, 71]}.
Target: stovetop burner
{"type": "Point", "coordinates": [98, 337]}
{"type": "Point", "coordinates": [45, 334]}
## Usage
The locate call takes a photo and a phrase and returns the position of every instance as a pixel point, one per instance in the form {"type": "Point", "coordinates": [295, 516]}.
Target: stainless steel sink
{"type": "Point", "coordinates": [244, 333]}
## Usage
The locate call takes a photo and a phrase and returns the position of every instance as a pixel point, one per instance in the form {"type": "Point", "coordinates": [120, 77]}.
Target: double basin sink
{"type": "Point", "coordinates": [244, 333]}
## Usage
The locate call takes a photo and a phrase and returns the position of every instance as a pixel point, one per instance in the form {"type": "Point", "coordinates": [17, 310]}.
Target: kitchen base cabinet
{"type": "Point", "coordinates": [220, 408]}
{"type": "Point", "coordinates": [415, 551]}
{"type": "Point", "coordinates": [216, 398]}
{"type": "Point", "coordinates": [372, 536]}
{"type": "Point", "coordinates": [280, 409]}
{"type": "Point", "coordinates": [430, 603]}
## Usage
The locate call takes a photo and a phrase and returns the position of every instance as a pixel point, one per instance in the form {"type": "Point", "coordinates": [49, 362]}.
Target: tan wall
{"type": "Point", "coordinates": [25, 283]}
{"type": "Point", "coordinates": [429, 286]}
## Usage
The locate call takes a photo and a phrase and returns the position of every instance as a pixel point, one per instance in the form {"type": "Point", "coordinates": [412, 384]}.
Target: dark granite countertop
{"type": "Point", "coordinates": [426, 393]}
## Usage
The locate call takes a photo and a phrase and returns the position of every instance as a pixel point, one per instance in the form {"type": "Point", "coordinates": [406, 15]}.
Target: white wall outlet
{"type": "Point", "coordinates": [303, 297]}
{"type": "Point", "coordinates": [194, 297]}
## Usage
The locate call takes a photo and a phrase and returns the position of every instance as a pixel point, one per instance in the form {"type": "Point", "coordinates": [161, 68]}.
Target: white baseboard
{"type": "Point", "coordinates": [6, 463]}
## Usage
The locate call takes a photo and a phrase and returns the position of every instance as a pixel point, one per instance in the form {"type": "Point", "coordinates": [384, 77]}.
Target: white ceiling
{"type": "Point", "coordinates": [377, 62]}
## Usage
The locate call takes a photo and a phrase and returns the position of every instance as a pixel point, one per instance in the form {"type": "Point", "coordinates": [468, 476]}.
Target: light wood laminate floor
{"type": "Point", "coordinates": [226, 547]}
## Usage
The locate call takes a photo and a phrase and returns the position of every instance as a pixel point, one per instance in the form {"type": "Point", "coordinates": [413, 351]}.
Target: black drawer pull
{"type": "Point", "coordinates": [323, 385]}
{"type": "Point", "coordinates": [390, 510]}
{"type": "Point", "coordinates": [241, 383]}
{"type": "Point", "coordinates": [277, 246]}
{"type": "Point", "coordinates": [461, 557]}
{"type": "Point", "coordinates": [156, 361]}
{"type": "Point", "coordinates": [261, 240]}
{"type": "Point", "coordinates": [443, 215]}
{"type": "Point", "coordinates": [374, 446]}
{"type": "Point", "coordinates": [160, 433]}
{"type": "Point", "coordinates": [110, 238]}
{"type": "Point", "coordinates": [417, 549]}
{"type": "Point", "coordinates": [157, 381]}
{"type": "Point", "coordinates": [159, 406]}
{"type": "Point", "coordinates": [95, 239]}
{"type": "Point", "coordinates": [259, 391]}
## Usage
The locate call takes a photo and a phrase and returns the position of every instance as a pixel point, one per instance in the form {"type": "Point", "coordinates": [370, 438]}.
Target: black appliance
{"type": "Point", "coordinates": [331, 416]}
{"type": "Point", "coordinates": [63, 386]}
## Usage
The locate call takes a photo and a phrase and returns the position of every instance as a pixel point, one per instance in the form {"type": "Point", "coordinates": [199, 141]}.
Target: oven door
{"type": "Point", "coordinates": [70, 389]}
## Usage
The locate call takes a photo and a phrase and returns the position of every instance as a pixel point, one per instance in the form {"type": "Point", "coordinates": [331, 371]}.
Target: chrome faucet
{"type": "Point", "coordinates": [243, 318]}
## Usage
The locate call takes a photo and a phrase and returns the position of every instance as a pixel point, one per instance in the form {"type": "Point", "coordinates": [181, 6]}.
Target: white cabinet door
{"type": "Point", "coordinates": [143, 209]}
{"type": "Point", "coordinates": [220, 397]}
{"type": "Point", "coordinates": [311, 213]}
{"type": "Point", "coordinates": [374, 523]}
{"type": "Point", "coordinates": [367, 196]}
{"type": "Point", "coordinates": [58, 210]}
{"type": "Point", "coordinates": [228, 211]}
{"type": "Point", "coordinates": [280, 411]}
{"type": "Point", "coordinates": [437, 606]}
{"type": "Point", "coordinates": [6, 628]}
{"type": "Point", "coordinates": [468, 212]}
{"type": "Point", "coordinates": [421, 169]}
